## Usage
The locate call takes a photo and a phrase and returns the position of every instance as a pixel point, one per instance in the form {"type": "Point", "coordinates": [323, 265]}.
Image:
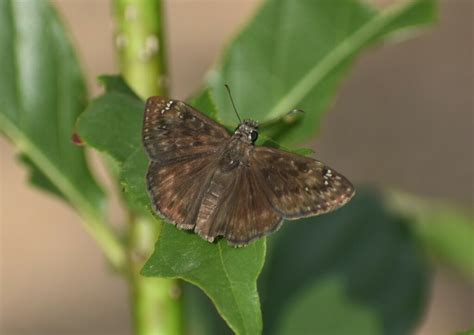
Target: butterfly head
{"type": "Point", "coordinates": [248, 131]}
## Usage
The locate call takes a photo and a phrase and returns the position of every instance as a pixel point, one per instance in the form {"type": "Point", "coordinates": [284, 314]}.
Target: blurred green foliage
{"type": "Point", "coordinates": [42, 93]}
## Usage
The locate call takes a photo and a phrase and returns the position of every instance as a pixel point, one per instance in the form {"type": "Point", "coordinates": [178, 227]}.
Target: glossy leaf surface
{"type": "Point", "coordinates": [42, 93]}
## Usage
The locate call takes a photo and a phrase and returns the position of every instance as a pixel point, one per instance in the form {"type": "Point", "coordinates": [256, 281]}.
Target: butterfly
{"type": "Point", "coordinates": [202, 178]}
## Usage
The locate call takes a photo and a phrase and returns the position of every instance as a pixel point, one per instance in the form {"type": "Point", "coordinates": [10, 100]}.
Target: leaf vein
{"type": "Point", "coordinates": [224, 269]}
{"type": "Point", "coordinates": [335, 57]}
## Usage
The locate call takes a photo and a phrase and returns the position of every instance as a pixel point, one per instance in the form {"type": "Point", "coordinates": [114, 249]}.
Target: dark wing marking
{"type": "Point", "coordinates": [173, 130]}
{"type": "Point", "coordinates": [299, 186]}
{"type": "Point", "coordinates": [235, 207]}
{"type": "Point", "coordinates": [176, 188]}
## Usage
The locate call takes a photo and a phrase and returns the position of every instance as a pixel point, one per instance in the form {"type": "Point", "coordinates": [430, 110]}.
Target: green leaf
{"type": "Point", "coordinates": [444, 230]}
{"type": "Point", "coordinates": [359, 265]}
{"type": "Point", "coordinates": [132, 178]}
{"type": "Point", "coordinates": [116, 83]}
{"type": "Point", "coordinates": [200, 314]}
{"type": "Point", "coordinates": [293, 54]}
{"type": "Point", "coordinates": [38, 179]}
{"type": "Point", "coordinates": [112, 124]}
{"type": "Point", "coordinates": [42, 92]}
{"type": "Point", "coordinates": [206, 104]}
{"type": "Point", "coordinates": [358, 270]}
{"type": "Point", "coordinates": [335, 314]}
{"type": "Point", "coordinates": [303, 151]}
{"type": "Point", "coordinates": [228, 275]}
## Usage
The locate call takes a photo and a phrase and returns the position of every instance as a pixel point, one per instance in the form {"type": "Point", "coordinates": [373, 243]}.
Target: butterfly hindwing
{"type": "Point", "coordinates": [299, 186]}
{"type": "Point", "coordinates": [254, 216]}
{"type": "Point", "coordinates": [234, 207]}
{"type": "Point", "coordinates": [175, 188]}
{"type": "Point", "coordinates": [173, 130]}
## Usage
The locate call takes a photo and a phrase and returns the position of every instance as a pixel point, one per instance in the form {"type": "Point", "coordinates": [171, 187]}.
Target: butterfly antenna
{"type": "Point", "coordinates": [232, 100]}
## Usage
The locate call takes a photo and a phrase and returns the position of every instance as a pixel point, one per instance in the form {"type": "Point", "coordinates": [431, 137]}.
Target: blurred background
{"type": "Point", "coordinates": [402, 119]}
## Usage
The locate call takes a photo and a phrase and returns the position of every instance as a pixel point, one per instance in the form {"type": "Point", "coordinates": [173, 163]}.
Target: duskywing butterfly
{"type": "Point", "coordinates": [202, 178]}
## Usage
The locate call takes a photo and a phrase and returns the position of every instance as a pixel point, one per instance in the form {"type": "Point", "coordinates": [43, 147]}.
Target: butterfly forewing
{"type": "Point", "coordinates": [173, 130]}
{"type": "Point", "coordinates": [299, 186]}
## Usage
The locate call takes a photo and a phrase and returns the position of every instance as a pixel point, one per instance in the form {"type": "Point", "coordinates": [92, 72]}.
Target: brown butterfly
{"type": "Point", "coordinates": [202, 178]}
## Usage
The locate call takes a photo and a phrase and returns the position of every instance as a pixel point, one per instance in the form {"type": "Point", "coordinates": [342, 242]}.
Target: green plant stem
{"type": "Point", "coordinates": [107, 241]}
{"type": "Point", "coordinates": [156, 303]}
{"type": "Point", "coordinates": [156, 307]}
{"type": "Point", "coordinates": [140, 45]}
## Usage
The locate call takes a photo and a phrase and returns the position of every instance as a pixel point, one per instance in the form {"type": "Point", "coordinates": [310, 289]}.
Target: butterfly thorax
{"type": "Point", "coordinates": [236, 153]}
{"type": "Point", "coordinates": [247, 131]}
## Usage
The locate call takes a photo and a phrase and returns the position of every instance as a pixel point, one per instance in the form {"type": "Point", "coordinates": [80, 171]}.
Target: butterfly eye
{"type": "Point", "coordinates": [253, 136]}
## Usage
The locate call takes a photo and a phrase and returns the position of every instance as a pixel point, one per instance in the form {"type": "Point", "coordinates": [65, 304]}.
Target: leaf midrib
{"type": "Point", "coordinates": [224, 269]}
{"type": "Point", "coordinates": [47, 167]}
{"type": "Point", "coordinates": [335, 57]}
